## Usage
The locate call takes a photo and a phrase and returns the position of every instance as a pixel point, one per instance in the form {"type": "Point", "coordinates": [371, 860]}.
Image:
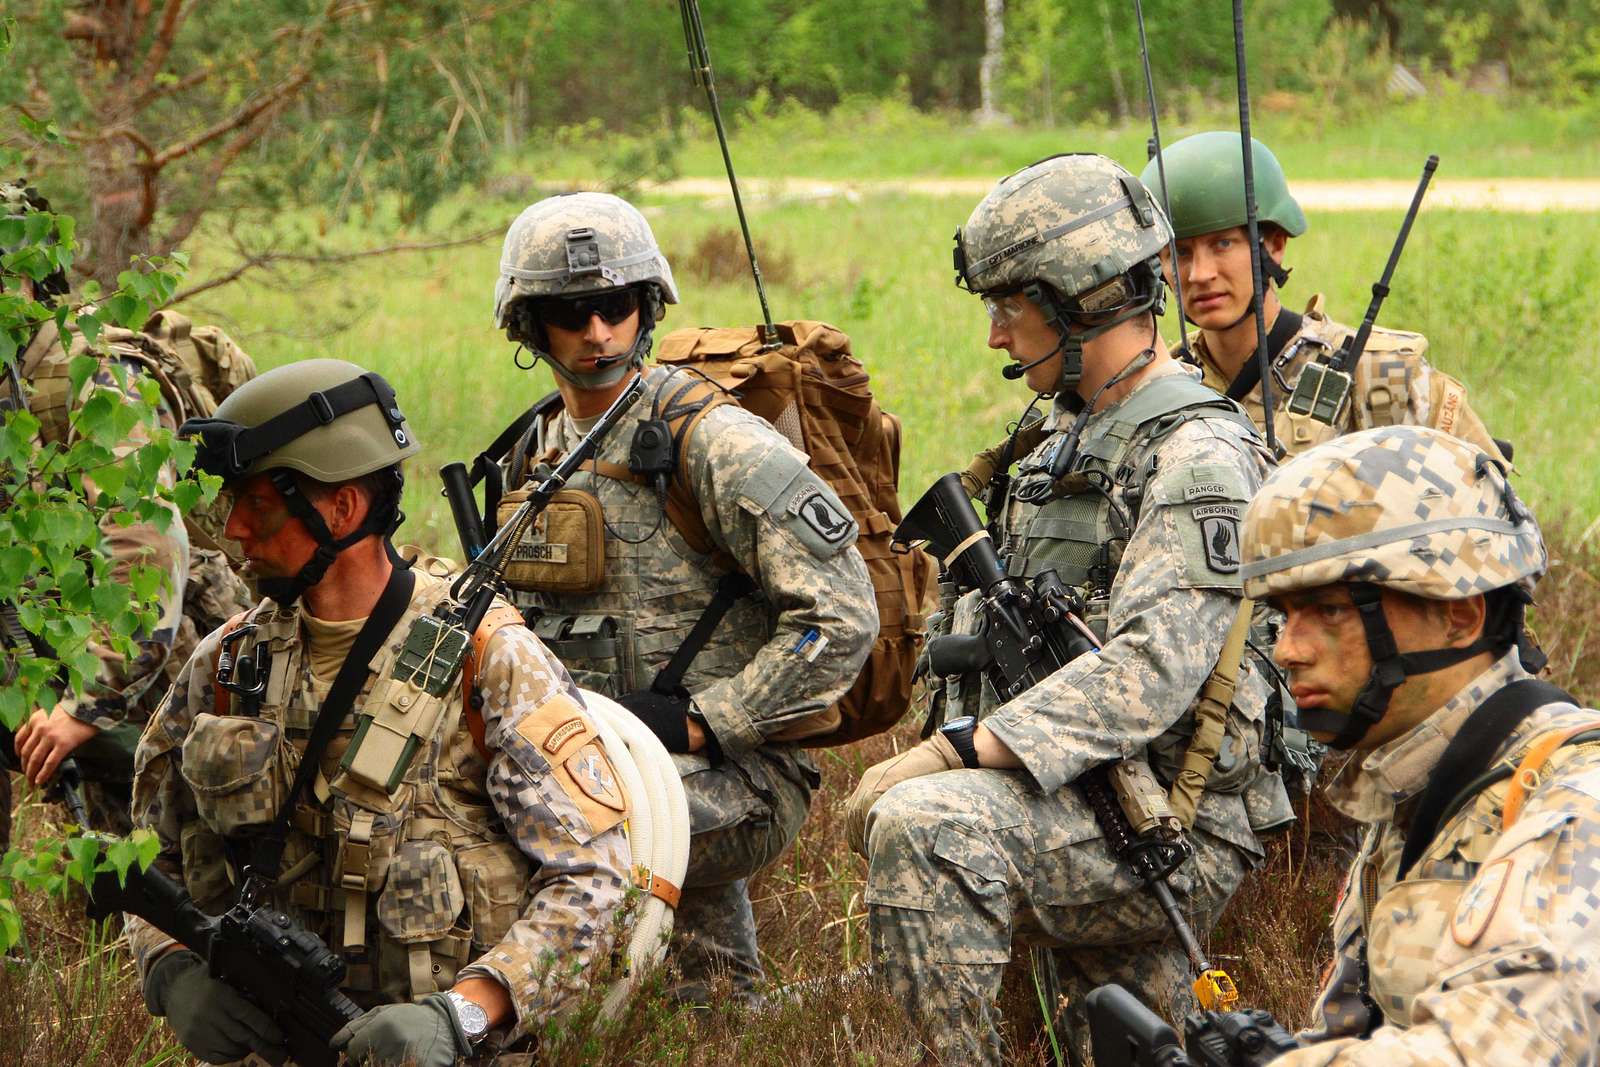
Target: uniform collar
{"type": "Point", "coordinates": [1370, 789]}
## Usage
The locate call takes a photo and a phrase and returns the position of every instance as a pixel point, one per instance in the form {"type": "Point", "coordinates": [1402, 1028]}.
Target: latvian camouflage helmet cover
{"type": "Point", "coordinates": [1409, 508]}
{"type": "Point", "coordinates": [1074, 221]}
{"type": "Point", "coordinates": [1205, 185]}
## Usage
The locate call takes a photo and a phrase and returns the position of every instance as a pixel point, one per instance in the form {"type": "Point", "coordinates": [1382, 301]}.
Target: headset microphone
{"type": "Point", "coordinates": [1012, 371]}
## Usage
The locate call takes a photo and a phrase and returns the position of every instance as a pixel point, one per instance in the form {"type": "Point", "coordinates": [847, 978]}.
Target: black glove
{"type": "Point", "coordinates": [666, 714]}
{"type": "Point", "coordinates": [209, 1016]}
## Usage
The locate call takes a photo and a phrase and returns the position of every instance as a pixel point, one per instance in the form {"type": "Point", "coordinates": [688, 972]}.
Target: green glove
{"type": "Point", "coordinates": [209, 1016]}
{"type": "Point", "coordinates": [425, 1033]}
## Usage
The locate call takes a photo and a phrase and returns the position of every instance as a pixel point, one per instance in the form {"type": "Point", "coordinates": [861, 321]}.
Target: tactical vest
{"type": "Point", "coordinates": [410, 886]}
{"type": "Point", "coordinates": [1081, 533]}
{"type": "Point", "coordinates": [654, 586]}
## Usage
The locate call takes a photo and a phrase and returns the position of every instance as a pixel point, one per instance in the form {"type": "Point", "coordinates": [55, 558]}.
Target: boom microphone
{"type": "Point", "coordinates": [1012, 371]}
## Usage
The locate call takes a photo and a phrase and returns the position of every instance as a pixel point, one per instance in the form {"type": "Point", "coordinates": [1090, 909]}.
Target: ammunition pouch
{"type": "Point", "coordinates": [597, 650]}
{"type": "Point", "coordinates": [563, 551]}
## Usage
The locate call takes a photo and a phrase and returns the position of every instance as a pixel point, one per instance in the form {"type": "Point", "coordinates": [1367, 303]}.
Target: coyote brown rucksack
{"type": "Point", "coordinates": [196, 368]}
{"type": "Point", "coordinates": [816, 394]}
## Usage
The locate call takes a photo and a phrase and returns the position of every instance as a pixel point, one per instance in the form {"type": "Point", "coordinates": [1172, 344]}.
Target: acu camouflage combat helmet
{"type": "Point", "coordinates": [1078, 235]}
{"type": "Point", "coordinates": [326, 419]}
{"type": "Point", "coordinates": [575, 244]}
{"type": "Point", "coordinates": [1407, 508]}
{"type": "Point", "coordinates": [1205, 185]}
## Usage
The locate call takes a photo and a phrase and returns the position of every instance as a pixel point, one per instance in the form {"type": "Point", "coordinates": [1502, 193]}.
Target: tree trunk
{"type": "Point", "coordinates": [994, 32]}
{"type": "Point", "coordinates": [1112, 64]}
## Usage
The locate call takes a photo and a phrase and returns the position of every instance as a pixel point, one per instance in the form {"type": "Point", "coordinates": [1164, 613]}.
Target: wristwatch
{"type": "Point", "coordinates": [473, 1019]}
{"type": "Point", "coordinates": [959, 733]}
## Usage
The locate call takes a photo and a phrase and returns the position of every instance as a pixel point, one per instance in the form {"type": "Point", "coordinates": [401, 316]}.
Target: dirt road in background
{"type": "Point", "coordinates": [1531, 195]}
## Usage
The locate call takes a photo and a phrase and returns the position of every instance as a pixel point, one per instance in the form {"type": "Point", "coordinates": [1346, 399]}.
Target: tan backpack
{"type": "Point", "coordinates": [195, 366]}
{"type": "Point", "coordinates": [816, 394]}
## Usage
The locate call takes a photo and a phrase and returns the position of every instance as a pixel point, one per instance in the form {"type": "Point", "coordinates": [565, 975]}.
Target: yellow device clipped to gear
{"type": "Point", "coordinates": [1215, 990]}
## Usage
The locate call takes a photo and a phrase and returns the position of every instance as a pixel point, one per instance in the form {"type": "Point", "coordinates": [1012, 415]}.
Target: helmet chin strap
{"type": "Point", "coordinates": [1390, 669]}
{"type": "Point", "coordinates": [382, 519]}
{"type": "Point", "coordinates": [609, 369]}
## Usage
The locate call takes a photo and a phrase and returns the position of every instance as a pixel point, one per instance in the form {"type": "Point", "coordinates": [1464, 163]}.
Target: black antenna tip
{"type": "Point", "coordinates": [1432, 164]}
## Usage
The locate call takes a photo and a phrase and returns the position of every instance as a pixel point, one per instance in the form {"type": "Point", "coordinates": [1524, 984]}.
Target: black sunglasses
{"type": "Point", "coordinates": [573, 313]}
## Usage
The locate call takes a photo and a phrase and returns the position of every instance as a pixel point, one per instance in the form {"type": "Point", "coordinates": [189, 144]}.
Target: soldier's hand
{"type": "Point", "coordinates": [665, 714]}
{"type": "Point", "coordinates": [425, 1033]}
{"type": "Point", "coordinates": [209, 1016]}
{"type": "Point", "coordinates": [46, 739]}
{"type": "Point", "coordinates": [932, 756]}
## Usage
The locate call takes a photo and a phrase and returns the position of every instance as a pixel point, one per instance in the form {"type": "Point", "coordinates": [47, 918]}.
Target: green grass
{"type": "Point", "coordinates": [1504, 299]}
{"type": "Point", "coordinates": [1475, 137]}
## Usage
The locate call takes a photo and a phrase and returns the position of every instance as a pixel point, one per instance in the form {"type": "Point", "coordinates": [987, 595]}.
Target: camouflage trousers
{"type": "Point", "coordinates": [963, 864]}
{"type": "Point", "coordinates": [739, 822]}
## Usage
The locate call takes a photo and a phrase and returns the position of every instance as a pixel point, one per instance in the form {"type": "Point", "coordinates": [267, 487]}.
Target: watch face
{"type": "Point", "coordinates": [474, 1020]}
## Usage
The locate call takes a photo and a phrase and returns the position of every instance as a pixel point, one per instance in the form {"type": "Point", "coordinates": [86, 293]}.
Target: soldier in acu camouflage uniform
{"type": "Point", "coordinates": [1468, 931]}
{"type": "Point", "coordinates": [200, 590]}
{"type": "Point", "coordinates": [472, 900]}
{"type": "Point", "coordinates": [1394, 385]}
{"type": "Point", "coordinates": [616, 596]}
{"type": "Point", "coordinates": [977, 838]}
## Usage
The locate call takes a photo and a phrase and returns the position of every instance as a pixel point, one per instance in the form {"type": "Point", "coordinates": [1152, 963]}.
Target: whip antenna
{"type": "Point", "coordinates": [694, 36]}
{"type": "Point", "coordinates": [1161, 171]}
{"type": "Point", "coordinates": [1257, 279]}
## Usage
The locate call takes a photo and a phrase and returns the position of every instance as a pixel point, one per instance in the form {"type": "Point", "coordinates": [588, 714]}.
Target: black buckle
{"type": "Point", "coordinates": [321, 408]}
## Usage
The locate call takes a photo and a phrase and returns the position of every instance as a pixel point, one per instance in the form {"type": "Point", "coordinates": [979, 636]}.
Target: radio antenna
{"type": "Point", "coordinates": [694, 36]}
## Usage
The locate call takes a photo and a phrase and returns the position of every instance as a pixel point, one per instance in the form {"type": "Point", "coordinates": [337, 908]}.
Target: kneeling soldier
{"type": "Point", "coordinates": [978, 838]}
{"type": "Point", "coordinates": [1468, 931]}
{"type": "Point", "coordinates": [469, 875]}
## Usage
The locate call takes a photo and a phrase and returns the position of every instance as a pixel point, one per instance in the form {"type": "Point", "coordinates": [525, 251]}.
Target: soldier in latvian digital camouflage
{"type": "Point", "coordinates": [471, 882]}
{"type": "Point", "coordinates": [199, 591]}
{"type": "Point", "coordinates": [633, 609]}
{"type": "Point", "coordinates": [1468, 929]}
{"type": "Point", "coordinates": [977, 839]}
{"type": "Point", "coordinates": [1393, 384]}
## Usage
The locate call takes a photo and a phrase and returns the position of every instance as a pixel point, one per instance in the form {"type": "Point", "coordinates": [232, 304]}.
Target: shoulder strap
{"type": "Point", "coordinates": [730, 587]}
{"type": "Point", "coordinates": [1527, 773]}
{"type": "Point", "coordinates": [1468, 755]}
{"type": "Point", "coordinates": [1284, 328]}
{"type": "Point", "coordinates": [515, 440]}
{"type": "Point", "coordinates": [498, 618]}
{"type": "Point", "coordinates": [391, 607]}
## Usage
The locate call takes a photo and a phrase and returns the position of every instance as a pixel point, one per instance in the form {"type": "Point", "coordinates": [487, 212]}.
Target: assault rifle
{"type": "Point", "coordinates": [1125, 1033]}
{"type": "Point", "coordinates": [1030, 629]}
{"type": "Point", "coordinates": [280, 967]}
{"type": "Point", "coordinates": [1323, 389]}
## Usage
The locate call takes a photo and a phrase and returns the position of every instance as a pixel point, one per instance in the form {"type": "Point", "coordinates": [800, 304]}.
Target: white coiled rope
{"type": "Point", "coordinates": [658, 831]}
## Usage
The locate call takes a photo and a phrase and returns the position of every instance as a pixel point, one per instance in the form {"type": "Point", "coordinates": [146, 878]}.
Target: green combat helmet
{"type": "Point", "coordinates": [1205, 185]}
{"type": "Point", "coordinates": [326, 419]}
{"type": "Point", "coordinates": [1407, 508]}
{"type": "Point", "coordinates": [570, 245]}
{"type": "Point", "coordinates": [1079, 236]}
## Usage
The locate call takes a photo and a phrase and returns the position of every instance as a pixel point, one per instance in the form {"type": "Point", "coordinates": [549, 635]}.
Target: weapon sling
{"type": "Point", "coordinates": [392, 604]}
{"type": "Point", "coordinates": [1468, 756]}
{"type": "Point", "coordinates": [1284, 328]}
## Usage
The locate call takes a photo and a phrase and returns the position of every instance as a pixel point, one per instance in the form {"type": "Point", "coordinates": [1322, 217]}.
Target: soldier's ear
{"type": "Point", "coordinates": [1275, 239]}
{"type": "Point", "coordinates": [1464, 620]}
{"type": "Point", "coordinates": [346, 508]}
